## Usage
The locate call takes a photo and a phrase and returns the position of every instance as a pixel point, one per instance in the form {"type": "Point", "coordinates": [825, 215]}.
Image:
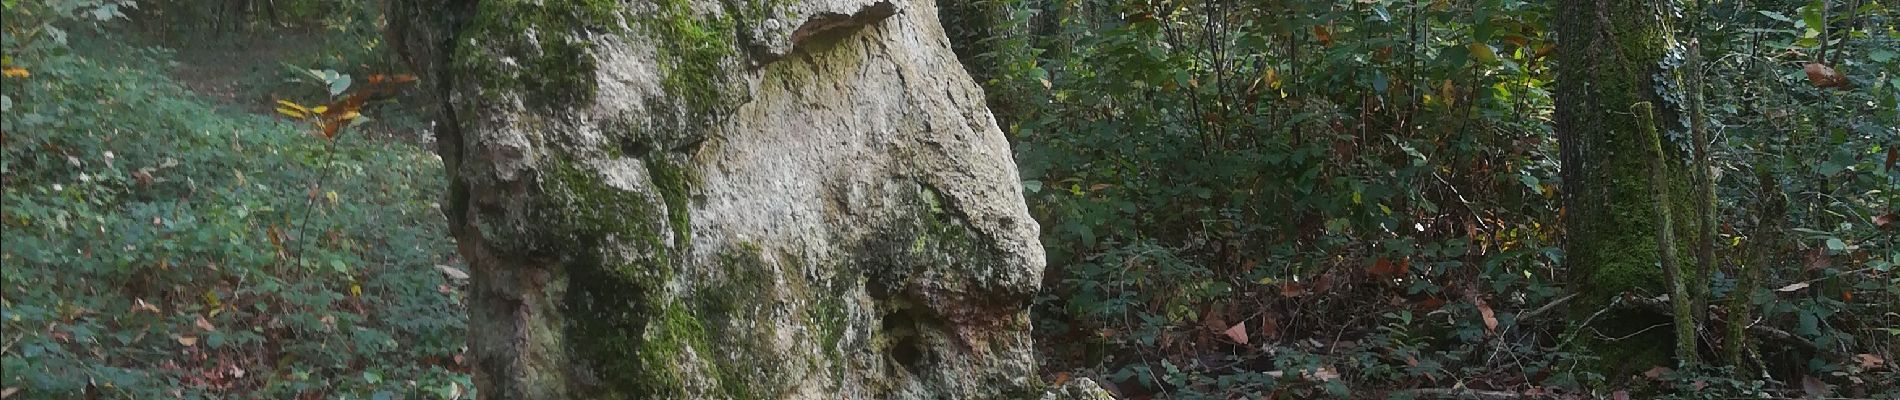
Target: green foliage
{"type": "Point", "coordinates": [1315, 171]}
{"type": "Point", "coordinates": [158, 246]}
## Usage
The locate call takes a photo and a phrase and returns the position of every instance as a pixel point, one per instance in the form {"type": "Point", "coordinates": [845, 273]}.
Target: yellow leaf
{"type": "Point", "coordinates": [320, 109]}
{"type": "Point", "coordinates": [15, 72]}
{"type": "Point", "coordinates": [188, 341]}
{"type": "Point", "coordinates": [1482, 52]}
{"type": "Point", "coordinates": [286, 111]}
{"type": "Point", "coordinates": [295, 106]}
{"type": "Point", "coordinates": [356, 290]}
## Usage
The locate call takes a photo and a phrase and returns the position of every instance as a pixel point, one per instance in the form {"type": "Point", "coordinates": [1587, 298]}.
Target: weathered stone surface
{"type": "Point", "coordinates": [796, 199]}
{"type": "Point", "coordinates": [1078, 389]}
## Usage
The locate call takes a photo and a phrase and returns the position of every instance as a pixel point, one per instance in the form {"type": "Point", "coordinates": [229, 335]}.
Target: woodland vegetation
{"type": "Point", "coordinates": [1262, 199]}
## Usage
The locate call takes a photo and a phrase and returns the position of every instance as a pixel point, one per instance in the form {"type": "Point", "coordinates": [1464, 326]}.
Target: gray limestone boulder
{"type": "Point", "coordinates": [696, 199]}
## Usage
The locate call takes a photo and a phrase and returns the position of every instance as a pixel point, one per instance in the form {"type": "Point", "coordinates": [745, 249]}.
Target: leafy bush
{"type": "Point", "coordinates": [1365, 195]}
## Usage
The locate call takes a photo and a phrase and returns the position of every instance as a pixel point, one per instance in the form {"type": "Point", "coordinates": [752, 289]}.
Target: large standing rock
{"type": "Point", "coordinates": [692, 199]}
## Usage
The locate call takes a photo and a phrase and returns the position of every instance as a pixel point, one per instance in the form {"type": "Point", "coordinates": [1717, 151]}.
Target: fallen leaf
{"type": "Point", "coordinates": [188, 341]}
{"type": "Point", "coordinates": [1323, 374]}
{"type": "Point", "coordinates": [1620, 395]}
{"type": "Point", "coordinates": [1793, 287]}
{"type": "Point", "coordinates": [1490, 318]}
{"type": "Point", "coordinates": [15, 72]}
{"type": "Point", "coordinates": [1884, 219]}
{"type": "Point", "coordinates": [1824, 76]}
{"type": "Point", "coordinates": [1381, 268]}
{"type": "Point", "coordinates": [141, 305]}
{"type": "Point", "coordinates": [1323, 283]}
{"type": "Point", "coordinates": [1238, 332]}
{"type": "Point", "coordinates": [205, 325]}
{"type": "Point", "coordinates": [1869, 361]}
{"type": "Point", "coordinates": [1656, 373]}
{"type": "Point", "coordinates": [8, 392]}
{"type": "Point", "coordinates": [1270, 325]}
{"type": "Point", "coordinates": [1061, 378]}
{"type": "Point", "coordinates": [1292, 289]}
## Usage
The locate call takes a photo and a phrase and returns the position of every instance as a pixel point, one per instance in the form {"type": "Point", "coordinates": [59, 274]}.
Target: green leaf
{"type": "Point", "coordinates": [1836, 245]}
{"type": "Point", "coordinates": [1776, 16]}
{"type": "Point", "coordinates": [339, 84]}
{"type": "Point", "coordinates": [1881, 55]}
{"type": "Point", "coordinates": [1811, 16]}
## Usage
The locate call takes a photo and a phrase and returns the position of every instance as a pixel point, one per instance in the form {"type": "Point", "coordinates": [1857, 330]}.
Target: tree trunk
{"type": "Point", "coordinates": [1614, 55]}
{"type": "Point", "coordinates": [702, 199]}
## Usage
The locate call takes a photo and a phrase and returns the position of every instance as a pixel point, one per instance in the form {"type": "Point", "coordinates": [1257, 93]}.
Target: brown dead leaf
{"type": "Point", "coordinates": [1620, 395]}
{"type": "Point", "coordinates": [1823, 76]}
{"type": "Point", "coordinates": [8, 392]}
{"type": "Point", "coordinates": [1884, 220]}
{"type": "Point", "coordinates": [1292, 289]}
{"type": "Point", "coordinates": [1490, 318]}
{"type": "Point", "coordinates": [1061, 378]}
{"type": "Point", "coordinates": [1381, 268]}
{"type": "Point", "coordinates": [1270, 325]}
{"type": "Point", "coordinates": [1869, 361]}
{"type": "Point", "coordinates": [205, 325]}
{"type": "Point", "coordinates": [141, 305]}
{"type": "Point", "coordinates": [1656, 373]}
{"type": "Point", "coordinates": [1323, 283]}
{"type": "Point", "coordinates": [1238, 332]}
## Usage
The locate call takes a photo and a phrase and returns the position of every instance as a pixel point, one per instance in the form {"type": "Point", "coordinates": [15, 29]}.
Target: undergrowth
{"type": "Point", "coordinates": [159, 246]}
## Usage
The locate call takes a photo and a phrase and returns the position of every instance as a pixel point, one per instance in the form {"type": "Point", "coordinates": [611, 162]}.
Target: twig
{"type": "Point", "coordinates": [1540, 311]}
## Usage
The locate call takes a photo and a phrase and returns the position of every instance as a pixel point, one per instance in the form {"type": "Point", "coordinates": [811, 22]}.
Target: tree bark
{"type": "Point", "coordinates": [1612, 56]}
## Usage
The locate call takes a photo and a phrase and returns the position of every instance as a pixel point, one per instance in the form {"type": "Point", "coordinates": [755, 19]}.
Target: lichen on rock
{"type": "Point", "coordinates": [765, 199]}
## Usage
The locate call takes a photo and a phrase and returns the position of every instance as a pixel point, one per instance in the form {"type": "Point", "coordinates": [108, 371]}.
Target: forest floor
{"type": "Point", "coordinates": [222, 250]}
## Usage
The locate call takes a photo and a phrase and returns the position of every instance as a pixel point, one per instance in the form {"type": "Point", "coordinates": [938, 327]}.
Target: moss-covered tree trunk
{"type": "Point", "coordinates": [1613, 56]}
{"type": "Point", "coordinates": [706, 199]}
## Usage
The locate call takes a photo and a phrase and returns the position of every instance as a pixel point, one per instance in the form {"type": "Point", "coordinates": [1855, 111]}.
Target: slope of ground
{"type": "Point", "coordinates": [160, 246]}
